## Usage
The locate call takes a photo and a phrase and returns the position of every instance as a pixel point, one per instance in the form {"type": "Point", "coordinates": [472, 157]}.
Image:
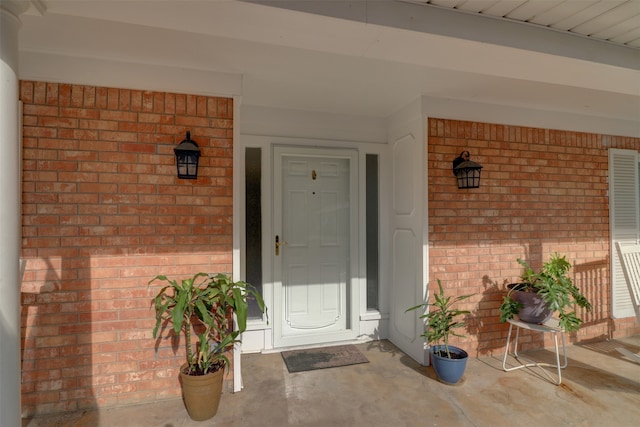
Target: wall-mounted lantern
{"type": "Point", "coordinates": [187, 156]}
{"type": "Point", "coordinates": [467, 172]}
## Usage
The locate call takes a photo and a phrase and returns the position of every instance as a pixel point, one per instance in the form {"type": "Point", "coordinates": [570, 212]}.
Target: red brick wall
{"type": "Point", "coordinates": [103, 212]}
{"type": "Point", "coordinates": [541, 191]}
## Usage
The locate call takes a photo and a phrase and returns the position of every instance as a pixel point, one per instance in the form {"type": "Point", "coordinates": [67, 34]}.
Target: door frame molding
{"type": "Point", "coordinates": [373, 324]}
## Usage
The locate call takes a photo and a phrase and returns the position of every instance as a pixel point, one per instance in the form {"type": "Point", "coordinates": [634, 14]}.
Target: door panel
{"type": "Point", "coordinates": [315, 225]}
{"type": "Point", "coordinates": [408, 270]}
{"type": "Point", "coordinates": [313, 209]}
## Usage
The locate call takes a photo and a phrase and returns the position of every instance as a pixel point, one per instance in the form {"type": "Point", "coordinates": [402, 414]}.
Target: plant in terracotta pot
{"type": "Point", "coordinates": [441, 322]}
{"type": "Point", "coordinates": [204, 305]}
{"type": "Point", "coordinates": [549, 290]}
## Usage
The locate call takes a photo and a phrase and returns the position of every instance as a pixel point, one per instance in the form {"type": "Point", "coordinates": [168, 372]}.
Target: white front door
{"type": "Point", "coordinates": [314, 246]}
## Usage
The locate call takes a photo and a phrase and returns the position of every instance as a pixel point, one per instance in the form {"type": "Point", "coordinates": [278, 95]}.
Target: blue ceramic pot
{"type": "Point", "coordinates": [449, 370]}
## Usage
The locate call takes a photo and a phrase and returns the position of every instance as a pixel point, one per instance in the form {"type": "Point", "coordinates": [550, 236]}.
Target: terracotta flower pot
{"type": "Point", "coordinates": [201, 393]}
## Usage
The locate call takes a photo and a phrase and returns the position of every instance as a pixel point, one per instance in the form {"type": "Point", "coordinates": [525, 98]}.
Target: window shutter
{"type": "Point", "coordinates": [624, 221]}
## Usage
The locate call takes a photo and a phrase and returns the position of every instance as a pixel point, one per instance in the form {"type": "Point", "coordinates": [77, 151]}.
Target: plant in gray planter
{"type": "Point", "coordinates": [441, 320]}
{"type": "Point", "coordinates": [204, 305]}
{"type": "Point", "coordinates": [542, 293]}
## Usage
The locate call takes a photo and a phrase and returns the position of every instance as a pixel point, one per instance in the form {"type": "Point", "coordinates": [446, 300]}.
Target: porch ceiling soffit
{"type": "Point", "coordinates": [305, 61]}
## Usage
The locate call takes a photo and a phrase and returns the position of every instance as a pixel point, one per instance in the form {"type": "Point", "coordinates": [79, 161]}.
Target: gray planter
{"type": "Point", "coordinates": [536, 310]}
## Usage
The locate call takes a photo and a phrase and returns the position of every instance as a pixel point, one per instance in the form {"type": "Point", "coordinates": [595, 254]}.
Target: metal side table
{"type": "Point", "coordinates": [551, 326]}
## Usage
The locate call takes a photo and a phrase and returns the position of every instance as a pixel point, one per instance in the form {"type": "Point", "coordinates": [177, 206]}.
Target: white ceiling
{"type": "Point", "coordinates": [360, 58]}
{"type": "Point", "coordinates": [616, 21]}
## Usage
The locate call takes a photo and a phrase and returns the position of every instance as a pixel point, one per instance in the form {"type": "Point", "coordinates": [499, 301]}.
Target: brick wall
{"type": "Point", "coordinates": [103, 212]}
{"type": "Point", "coordinates": [541, 191]}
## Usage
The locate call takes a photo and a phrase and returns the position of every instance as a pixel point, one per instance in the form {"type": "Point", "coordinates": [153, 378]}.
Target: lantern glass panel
{"type": "Point", "coordinates": [187, 166]}
{"type": "Point", "coordinates": [468, 178]}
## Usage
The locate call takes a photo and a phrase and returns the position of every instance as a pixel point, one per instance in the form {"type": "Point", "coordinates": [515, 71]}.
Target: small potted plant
{"type": "Point", "coordinates": [542, 293]}
{"type": "Point", "coordinates": [206, 306]}
{"type": "Point", "coordinates": [441, 321]}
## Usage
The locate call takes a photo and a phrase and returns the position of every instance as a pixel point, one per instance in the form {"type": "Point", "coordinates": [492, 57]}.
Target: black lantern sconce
{"type": "Point", "coordinates": [187, 156]}
{"type": "Point", "coordinates": [467, 172]}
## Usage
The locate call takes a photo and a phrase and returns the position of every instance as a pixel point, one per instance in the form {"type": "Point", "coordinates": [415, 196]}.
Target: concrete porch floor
{"type": "Point", "coordinates": [599, 387]}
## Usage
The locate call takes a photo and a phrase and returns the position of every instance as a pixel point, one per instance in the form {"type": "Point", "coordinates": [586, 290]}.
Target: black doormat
{"type": "Point", "coordinates": [322, 358]}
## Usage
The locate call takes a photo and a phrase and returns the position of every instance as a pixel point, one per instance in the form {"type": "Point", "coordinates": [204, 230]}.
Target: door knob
{"type": "Point", "coordinates": [278, 244]}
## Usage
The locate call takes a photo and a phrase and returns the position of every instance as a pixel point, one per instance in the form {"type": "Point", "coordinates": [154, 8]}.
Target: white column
{"type": "Point", "coordinates": [10, 215]}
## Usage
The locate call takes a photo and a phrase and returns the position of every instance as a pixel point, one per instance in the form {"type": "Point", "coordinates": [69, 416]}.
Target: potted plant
{"type": "Point", "coordinates": [441, 321]}
{"type": "Point", "coordinates": [542, 293]}
{"type": "Point", "coordinates": [205, 305]}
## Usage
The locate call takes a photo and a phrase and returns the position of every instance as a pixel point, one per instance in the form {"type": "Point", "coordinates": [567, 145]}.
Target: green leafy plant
{"type": "Point", "coordinates": [554, 285]}
{"type": "Point", "coordinates": [509, 307]}
{"type": "Point", "coordinates": [441, 318]}
{"type": "Point", "coordinates": [205, 305]}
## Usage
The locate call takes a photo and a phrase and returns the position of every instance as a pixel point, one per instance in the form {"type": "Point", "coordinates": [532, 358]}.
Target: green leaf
{"type": "Point", "coordinates": [509, 308]}
{"type": "Point", "coordinates": [178, 313]}
{"type": "Point", "coordinates": [203, 312]}
{"type": "Point", "coordinates": [241, 309]}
